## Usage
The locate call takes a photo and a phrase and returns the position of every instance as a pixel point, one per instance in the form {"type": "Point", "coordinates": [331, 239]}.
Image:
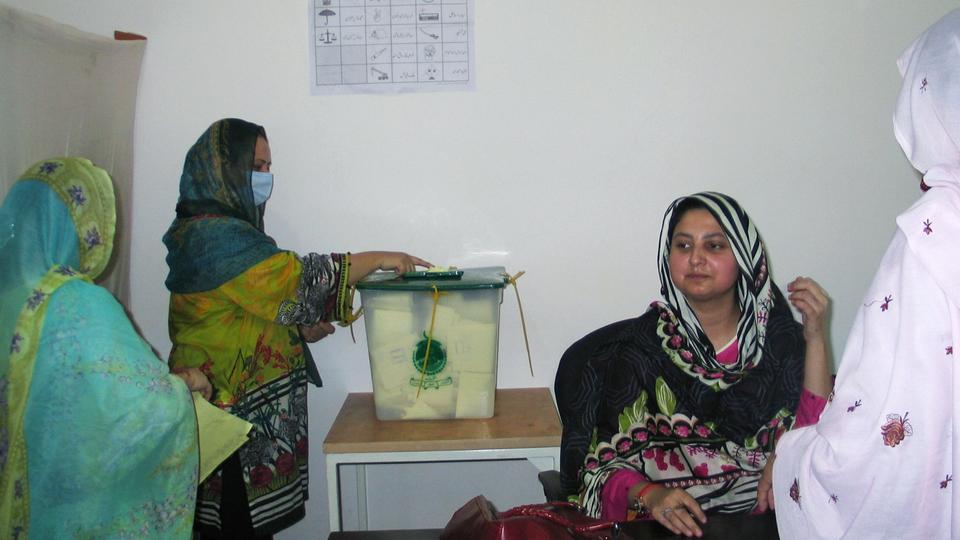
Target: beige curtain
{"type": "Point", "coordinates": [64, 92]}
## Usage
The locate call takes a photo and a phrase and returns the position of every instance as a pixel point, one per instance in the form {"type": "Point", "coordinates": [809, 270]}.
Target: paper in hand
{"type": "Point", "coordinates": [221, 434]}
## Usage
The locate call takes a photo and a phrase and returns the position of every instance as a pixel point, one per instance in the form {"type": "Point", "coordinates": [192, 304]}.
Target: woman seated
{"type": "Point", "coordinates": [685, 403]}
{"type": "Point", "coordinates": [881, 461]}
{"type": "Point", "coordinates": [97, 438]}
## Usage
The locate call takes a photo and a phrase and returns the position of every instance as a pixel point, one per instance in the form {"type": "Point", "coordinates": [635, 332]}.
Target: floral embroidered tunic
{"type": "Point", "coordinates": [258, 369]}
{"type": "Point", "coordinates": [658, 424]}
{"type": "Point", "coordinates": [881, 461]}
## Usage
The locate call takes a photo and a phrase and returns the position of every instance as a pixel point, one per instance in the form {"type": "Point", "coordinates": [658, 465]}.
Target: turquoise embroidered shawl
{"type": "Point", "coordinates": [97, 438]}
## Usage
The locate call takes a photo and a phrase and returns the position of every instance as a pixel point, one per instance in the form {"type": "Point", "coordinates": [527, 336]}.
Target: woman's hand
{"type": "Point", "coordinates": [765, 486]}
{"type": "Point", "coordinates": [363, 263]}
{"type": "Point", "coordinates": [196, 381]}
{"type": "Point", "coordinates": [812, 302]}
{"type": "Point", "coordinates": [316, 332]}
{"type": "Point", "coordinates": [675, 509]}
{"type": "Point", "coordinates": [400, 262]}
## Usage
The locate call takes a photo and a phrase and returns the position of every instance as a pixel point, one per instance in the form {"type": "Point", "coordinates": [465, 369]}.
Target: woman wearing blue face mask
{"type": "Point", "coordinates": [241, 310]}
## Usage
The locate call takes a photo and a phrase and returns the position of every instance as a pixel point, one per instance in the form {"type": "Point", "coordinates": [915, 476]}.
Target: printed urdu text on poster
{"type": "Point", "coordinates": [388, 46]}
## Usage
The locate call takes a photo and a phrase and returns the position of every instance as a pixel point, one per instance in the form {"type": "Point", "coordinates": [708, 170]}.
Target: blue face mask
{"type": "Point", "coordinates": [262, 183]}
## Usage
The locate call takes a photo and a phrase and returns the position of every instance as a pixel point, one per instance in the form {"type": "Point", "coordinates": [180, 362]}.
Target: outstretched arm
{"type": "Point", "coordinates": [362, 264]}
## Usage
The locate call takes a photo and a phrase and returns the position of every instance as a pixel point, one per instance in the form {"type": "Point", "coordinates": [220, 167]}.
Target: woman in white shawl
{"type": "Point", "coordinates": [880, 462]}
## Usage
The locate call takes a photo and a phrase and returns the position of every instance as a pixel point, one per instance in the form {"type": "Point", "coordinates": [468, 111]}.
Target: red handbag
{"type": "Point", "coordinates": [479, 520]}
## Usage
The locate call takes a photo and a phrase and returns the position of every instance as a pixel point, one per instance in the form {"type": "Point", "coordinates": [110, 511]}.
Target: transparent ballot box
{"type": "Point", "coordinates": [432, 339]}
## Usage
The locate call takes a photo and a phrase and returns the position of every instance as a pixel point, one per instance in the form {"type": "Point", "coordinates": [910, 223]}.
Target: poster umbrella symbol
{"type": "Point", "coordinates": [326, 14]}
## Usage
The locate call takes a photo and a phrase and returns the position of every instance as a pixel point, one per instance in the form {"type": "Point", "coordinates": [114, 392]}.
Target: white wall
{"type": "Point", "coordinates": [590, 117]}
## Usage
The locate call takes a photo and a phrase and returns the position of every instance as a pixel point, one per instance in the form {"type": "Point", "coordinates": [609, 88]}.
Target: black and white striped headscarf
{"type": "Point", "coordinates": [753, 288]}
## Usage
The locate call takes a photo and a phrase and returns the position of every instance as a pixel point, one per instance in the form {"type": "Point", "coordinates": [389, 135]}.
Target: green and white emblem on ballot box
{"type": "Point", "coordinates": [429, 359]}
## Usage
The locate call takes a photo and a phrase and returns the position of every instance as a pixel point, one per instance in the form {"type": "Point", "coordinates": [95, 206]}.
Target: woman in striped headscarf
{"type": "Point", "coordinates": [685, 403]}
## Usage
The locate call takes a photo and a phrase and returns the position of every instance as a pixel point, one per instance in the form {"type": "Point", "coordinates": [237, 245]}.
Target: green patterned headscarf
{"type": "Point", "coordinates": [216, 173]}
{"type": "Point", "coordinates": [218, 232]}
{"type": "Point", "coordinates": [62, 211]}
{"type": "Point", "coordinates": [97, 438]}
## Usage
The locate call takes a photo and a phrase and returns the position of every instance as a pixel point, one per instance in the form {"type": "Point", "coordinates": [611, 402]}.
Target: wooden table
{"type": "Point", "coordinates": [525, 425]}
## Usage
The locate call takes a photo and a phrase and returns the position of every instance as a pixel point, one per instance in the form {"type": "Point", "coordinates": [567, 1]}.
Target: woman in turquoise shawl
{"type": "Point", "coordinates": [241, 310]}
{"type": "Point", "coordinates": [97, 438]}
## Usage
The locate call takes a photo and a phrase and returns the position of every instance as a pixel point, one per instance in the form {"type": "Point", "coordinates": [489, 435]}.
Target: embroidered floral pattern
{"type": "Point", "coordinates": [923, 85]}
{"type": "Point", "coordinates": [639, 428]}
{"type": "Point", "coordinates": [834, 499]}
{"type": "Point", "coordinates": [854, 406]}
{"type": "Point", "coordinates": [646, 436]}
{"type": "Point", "coordinates": [70, 354]}
{"type": "Point", "coordinates": [15, 342]}
{"type": "Point", "coordinates": [66, 271]}
{"type": "Point", "coordinates": [946, 481]}
{"type": "Point", "coordinates": [767, 435]}
{"type": "Point", "coordinates": [676, 449]}
{"type": "Point", "coordinates": [886, 303]}
{"type": "Point", "coordinates": [896, 429]}
{"type": "Point", "coordinates": [49, 167]}
{"type": "Point", "coordinates": [754, 458]}
{"type": "Point", "coordinates": [795, 491]}
{"type": "Point", "coordinates": [949, 350]}
{"type": "Point", "coordinates": [927, 229]}
{"type": "Point", "coordinates": [275, 457]}
{"type": "Point", "coordinates": [144, 376]}
{"type": "Point", "coordinates": [35, 299]}
{"type": "Point", "coordinates": [260, 476]}
{"type": "Point", "coordinates": [286, 463]}
{"type": "Point", "coordinates": [153, 519]}
{"type": "Point", "coordinates": [76, 182]}
{"type": "Point", "coordinates": [76, 195]}
{"type": "Point", "coordinates": [660, 458]}
{"type": "Point", "coordinates": [675, 345]}
{"type": "Point", "coordinates": [702, 430]}
{"type": "Point", "coordinates": [92, 237]}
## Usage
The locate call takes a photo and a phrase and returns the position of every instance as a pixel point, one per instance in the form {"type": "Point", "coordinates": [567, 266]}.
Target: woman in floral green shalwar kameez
{"type": "Point", "coordinates": [241, 310]}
